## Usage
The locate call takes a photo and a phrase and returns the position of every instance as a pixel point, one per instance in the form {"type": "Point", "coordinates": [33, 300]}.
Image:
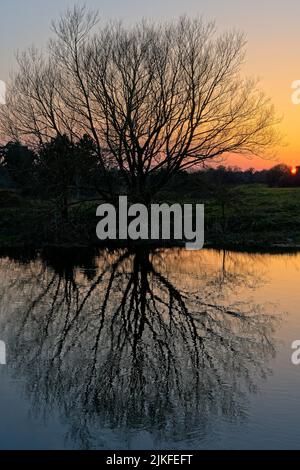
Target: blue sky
{"type": "Point", "coordinates": [269, 25]}
{"type": "Point", "coordinates": [23, 22]}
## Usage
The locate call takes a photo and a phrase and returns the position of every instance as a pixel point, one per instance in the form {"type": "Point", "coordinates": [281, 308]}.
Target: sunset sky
{"type": "Point", "coordinates": [272, 29]}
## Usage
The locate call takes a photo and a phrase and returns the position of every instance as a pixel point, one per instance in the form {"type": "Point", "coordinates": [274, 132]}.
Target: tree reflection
{"type": "Point", "coordinates": [119, 345]}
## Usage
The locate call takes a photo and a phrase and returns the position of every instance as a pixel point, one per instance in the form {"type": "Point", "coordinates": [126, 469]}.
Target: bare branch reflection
{"type": "Point", "coordinates": [135, 339]}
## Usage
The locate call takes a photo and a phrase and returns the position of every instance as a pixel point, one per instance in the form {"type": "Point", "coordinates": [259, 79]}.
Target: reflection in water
{"type": "Point", "coordinates": [135, 340]}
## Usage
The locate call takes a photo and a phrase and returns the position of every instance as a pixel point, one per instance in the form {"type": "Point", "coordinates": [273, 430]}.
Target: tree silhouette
{"type": "Point", "coordinates": [155, 99]}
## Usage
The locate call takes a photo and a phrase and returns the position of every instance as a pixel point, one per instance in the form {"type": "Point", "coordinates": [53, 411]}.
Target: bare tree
{"type": "Point", "coordinates": [155, 99]}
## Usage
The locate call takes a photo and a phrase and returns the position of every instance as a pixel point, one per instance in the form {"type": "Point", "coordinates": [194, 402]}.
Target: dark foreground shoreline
{"type": "Point", "coordinates": [29, 252]}
{"type": "Point", "coordinates": [261, 220]}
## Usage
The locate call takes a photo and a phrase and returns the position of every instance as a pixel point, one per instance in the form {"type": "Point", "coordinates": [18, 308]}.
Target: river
{"type": "Point", "coordinates": [138, 349]}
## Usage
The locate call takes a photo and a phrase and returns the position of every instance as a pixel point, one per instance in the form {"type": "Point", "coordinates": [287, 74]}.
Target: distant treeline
{"type": "Point", "coordinates": [66, 170]}
{"type": "Point", "coordinates": [278, 176]}
{"type": "Point", "coordinates": [49, 196]}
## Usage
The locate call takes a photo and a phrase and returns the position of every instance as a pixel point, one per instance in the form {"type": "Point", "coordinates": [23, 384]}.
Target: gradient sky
{"type": "Point", "coordinates": [272, 29]}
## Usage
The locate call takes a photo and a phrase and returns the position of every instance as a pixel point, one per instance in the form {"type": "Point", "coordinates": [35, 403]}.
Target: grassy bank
{"type": "Point", "coordinates": [257, 216]}
{"type": "Point", "coordinates": [246, 216]}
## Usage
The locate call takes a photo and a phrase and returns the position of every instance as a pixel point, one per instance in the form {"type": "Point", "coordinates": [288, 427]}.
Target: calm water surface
{"type": "Point", "coordinates": [148, 350]}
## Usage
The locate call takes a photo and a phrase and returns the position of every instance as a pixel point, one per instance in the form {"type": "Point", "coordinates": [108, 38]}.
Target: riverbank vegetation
{"type": "Point", "coordinates": [253, 216]}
